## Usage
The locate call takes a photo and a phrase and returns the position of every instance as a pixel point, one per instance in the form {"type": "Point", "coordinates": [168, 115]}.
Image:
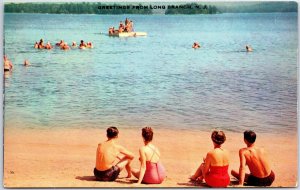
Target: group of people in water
{"type": "Point", "coordinates": [62, 45]}
{"type": "Point", "coordinates": [127, 26]}
{"type": "Point", "coordinates": [112, 158]}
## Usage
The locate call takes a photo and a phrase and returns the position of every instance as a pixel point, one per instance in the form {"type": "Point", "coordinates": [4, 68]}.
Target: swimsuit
{"type": "Point", "coordinates": [107, 175]}
{"type": "Point", "coordinates": [6, 70]}
{"type": "Point", "coordinates": [155, 172]}
{"type": "Point", "coordinates": [257, 181]}
{"type": "Point", "coordinates": [218, 176]}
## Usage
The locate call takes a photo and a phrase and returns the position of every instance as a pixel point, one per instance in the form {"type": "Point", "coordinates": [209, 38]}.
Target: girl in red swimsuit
{"type": "Point", "coordinates": [151, 170]}
{"type": "Point", "coordinates": [215, 167]}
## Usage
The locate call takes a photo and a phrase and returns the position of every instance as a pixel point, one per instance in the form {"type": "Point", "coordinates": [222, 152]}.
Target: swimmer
{"type": "Point", "coordinates": [74, 44]}
{"type": "Point", "coordinates": [8, 66]}
{"type": "Point", "coordinates": [48, 46]}
{"type": "Point", "coordinates": [248, 48]}
{"type": "Point", "coordinates": [26, 63]}
{"type": "Point", "coordinates": [89, 45]}
{"type": "Point", "coordinates": [41, 44]}
{"type": "Point", "coordinates": [59, 43]}
{"type": "Point", "coordinates": [65, 47]}
{"type": "Point", "coordinates": [196, 45]}
{"type": "Point", "coordinates": [82, 44]}
{"type": "Point", "coordinates": [36, 45]}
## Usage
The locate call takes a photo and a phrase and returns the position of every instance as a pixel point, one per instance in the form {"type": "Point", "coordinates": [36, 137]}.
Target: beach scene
{"type": "Point", "coordinates": [58, 106]}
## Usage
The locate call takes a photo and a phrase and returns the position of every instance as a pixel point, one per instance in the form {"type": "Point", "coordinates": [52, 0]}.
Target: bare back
{"type": "Point", "coordinates": [219, 157]}
{"type": "Point", "coordinates": [107, 154]}
{"type": "Point", "coordinates": [152, 153]}
{"type": "Point", "coordinates": [257, 162]}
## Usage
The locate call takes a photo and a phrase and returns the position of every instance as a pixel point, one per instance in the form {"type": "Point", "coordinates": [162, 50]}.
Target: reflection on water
{"type": "Point", "coordinates": [158, 80]}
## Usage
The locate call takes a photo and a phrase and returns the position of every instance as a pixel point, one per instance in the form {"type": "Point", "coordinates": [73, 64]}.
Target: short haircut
{"type": "Point", "coordinates": [218, 137]}
{"type": "Point", "coordinates": [147, 134]}
{"type": "Point", "coordinates": [112, 132]}
{"type": "Point", "coordinates": [250, 136]}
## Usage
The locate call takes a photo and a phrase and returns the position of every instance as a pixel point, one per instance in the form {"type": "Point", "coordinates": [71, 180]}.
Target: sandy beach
{"type": "Point", "coordinates": [66, 157]}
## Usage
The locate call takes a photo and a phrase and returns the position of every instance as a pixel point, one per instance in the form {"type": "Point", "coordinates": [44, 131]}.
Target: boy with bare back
{"type": "Point", "coordinates": [257, 161]}
{"type": "Point", "coordinates": [111, 158]}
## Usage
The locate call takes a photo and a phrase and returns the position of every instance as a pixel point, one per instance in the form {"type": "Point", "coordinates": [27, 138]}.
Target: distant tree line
{"type": "Point", "coordinates": [72, 8]}
{"type": "Point", "coordinates": [260, 7]}
{"type": "Point", "coordinates": [191, 8]}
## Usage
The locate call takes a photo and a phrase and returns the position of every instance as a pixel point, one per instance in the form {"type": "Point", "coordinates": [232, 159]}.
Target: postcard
{"type": "Point", "coordinates": [150, 94]}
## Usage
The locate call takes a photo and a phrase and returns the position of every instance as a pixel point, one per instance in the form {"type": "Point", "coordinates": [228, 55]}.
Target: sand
{"type": "Point", "coordinates": [66, 157]}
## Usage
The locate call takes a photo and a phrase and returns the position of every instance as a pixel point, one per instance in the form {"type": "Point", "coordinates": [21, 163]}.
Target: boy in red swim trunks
{"type": "Point", "coordinates": [256, 159]}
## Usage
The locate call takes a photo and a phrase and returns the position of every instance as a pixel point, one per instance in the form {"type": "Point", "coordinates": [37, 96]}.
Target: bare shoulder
{"type": "Point", "coordinates": [243, 151]}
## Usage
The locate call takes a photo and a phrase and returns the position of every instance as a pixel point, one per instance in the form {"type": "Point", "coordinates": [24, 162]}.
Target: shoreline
{"type": "Point", "coordinates": [66, 157]}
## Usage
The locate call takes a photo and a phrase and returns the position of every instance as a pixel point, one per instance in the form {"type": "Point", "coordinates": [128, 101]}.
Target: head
{"type": "Point", "coordinates": [5, 57]}
{"type": "Point", "coordinates": [147, 134]}
{"type": "Point", "coordinates": [81, 41]}
{"type": "Point", "coordinates": [247, 47]}
{"type": "Point", "coordinates": [249, 137]}
{"type": "Point", "coordinates": [218, 137]}
{"type": "Point", "coordinates": [112, 132]}
{"type": "Point", "coordinates": [41, 40]}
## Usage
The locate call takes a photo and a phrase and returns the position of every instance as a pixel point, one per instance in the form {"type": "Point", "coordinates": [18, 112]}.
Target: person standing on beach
{"type": "Point", "coordinates": [111, 158]}
{"type": "Point", "coordinates": [256, 159]}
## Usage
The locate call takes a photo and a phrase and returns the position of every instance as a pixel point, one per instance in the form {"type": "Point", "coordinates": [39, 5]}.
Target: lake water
{"type": "Point", "coordinates": [158, 80]}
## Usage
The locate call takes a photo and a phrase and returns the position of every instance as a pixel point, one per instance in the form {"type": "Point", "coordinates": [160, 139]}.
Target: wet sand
{"type": "Point", "coordinates": [66, 157]}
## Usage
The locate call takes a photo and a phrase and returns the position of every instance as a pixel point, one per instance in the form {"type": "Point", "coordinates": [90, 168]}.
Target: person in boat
{"type": "Point", "coordinates": [48, 46]}
{"type": "Point", "coordinates": [126, 21]}
{"type": "Point", "coordinates": [196, 45]}
{"type": "Point", "coordinates": [151, 170]}
{"type": "Point", "coordinates": [89, 45]}
{"type": "Point", "coordinates": [82, 44]}
{"type": "Point", "coordinates": [41, 44]}
{"type": "Point", "coordinates": [248, 48]}
{"type": "Point", "coordinates": [65, 46]}
{"type": "Point", "coordinates": [7, 64]}
{"type": "Point", "coordinates": [112, 158]}
{"type": "Point", "coordinates": [121, 27]}
{"type": "Point", "coordinates": [26, 63]}
{"type": "Point", "coordinates": [131, 26]}
{"type": "Point", "coordinates": [36, 45]}
{"type": "Point", "coordinates": [214, 169]}
{"type": "Point", "coordinates": [110, 31]}
{"type": "Point", "coordinates": [257, 161]}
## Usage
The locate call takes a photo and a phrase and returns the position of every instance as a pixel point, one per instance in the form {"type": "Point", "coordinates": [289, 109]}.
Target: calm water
{"type": "Point", "coordinates": [158, 80]}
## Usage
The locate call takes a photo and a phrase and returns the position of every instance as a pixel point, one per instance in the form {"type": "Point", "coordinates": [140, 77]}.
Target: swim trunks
{"type": "Point", "coordinates": [217, 176]}
{"type": "Point", "coordinates": [256, 181]}
{"type": "Point", "coordinates": [6, 70]}
{"type": "Point", "coordinates": [107, 175]}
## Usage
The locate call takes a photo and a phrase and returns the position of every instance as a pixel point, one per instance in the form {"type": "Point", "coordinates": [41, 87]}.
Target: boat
{"type": "Point", "coordinates": [128, 34]}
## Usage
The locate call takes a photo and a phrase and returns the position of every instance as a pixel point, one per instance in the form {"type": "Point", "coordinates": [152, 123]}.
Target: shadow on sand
{"type": "Point", "coordinates": [122, 180]}
{"type": "Point", "coordinates": [86, 178]}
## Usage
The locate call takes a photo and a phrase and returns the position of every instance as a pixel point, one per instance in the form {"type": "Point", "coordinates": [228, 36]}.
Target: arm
{"type": "Point", "coordinates": [97, 153]}
{"type": "Point", "coordinates": [242, 167]}
{"type": "Point", "coordinates": [206, 165]}
{"type": "Point", "coordinates": [143, 165]}
{"type": "Point", "coordinates": [126, 152]}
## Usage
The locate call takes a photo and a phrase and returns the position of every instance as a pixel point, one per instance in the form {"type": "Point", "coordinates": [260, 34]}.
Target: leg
{"type": "Point", "coordinates": [237, 175]}
{"type": "Point", "coordinates": [135, 173]}
{"type": "Point", "coordinates": [125, 163]}
{"type": "Point", "coordinates": [198, 173]}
